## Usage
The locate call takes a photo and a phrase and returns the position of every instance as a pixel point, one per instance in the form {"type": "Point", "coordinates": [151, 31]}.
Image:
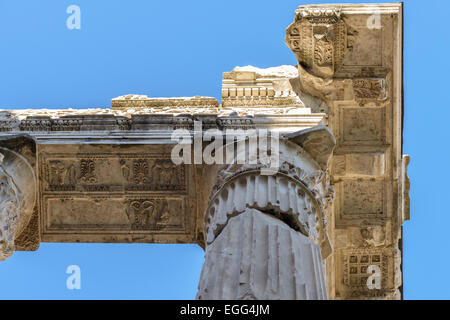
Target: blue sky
{"type": "Point", "coordinates": [181, 48]}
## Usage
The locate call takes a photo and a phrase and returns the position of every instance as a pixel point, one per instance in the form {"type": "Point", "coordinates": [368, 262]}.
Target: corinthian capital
{"type": "Point", "coordinates": [11, 203]}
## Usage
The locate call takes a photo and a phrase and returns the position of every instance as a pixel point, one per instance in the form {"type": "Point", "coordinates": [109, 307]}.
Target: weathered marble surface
{"type": "Point", "coordinates": [265, 235]}
{"type": "Point", "coordinates": [18, 192]}
{"type": "Point", "coordinates": [114, 193]}
{"type": "Point", "coordinates": [104, 175]}
{"type": "Point", "coordinates": [259, 257]}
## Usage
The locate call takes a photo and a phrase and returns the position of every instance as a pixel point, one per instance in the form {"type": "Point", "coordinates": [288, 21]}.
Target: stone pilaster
{"type": "Point", "coordinates": [350, 67]}
{"type": "Point", "coordinates": [266, 235]}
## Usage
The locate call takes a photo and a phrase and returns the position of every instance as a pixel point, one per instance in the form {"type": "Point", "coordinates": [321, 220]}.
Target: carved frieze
{"type": "Point", "coordinates": [8, 122]}
{"type": "Point", "coordinates": [79, 173]}
{"type": "Point", "coordinates": [132, 100]}
{"type": "Point", "coordinates": [115, 193]}
{"type": "Point", "coordinates": [78, 213]}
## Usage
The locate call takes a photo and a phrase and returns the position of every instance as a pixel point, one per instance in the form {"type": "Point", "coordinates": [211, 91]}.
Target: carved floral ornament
{"type": "Point", "coordinates": [319, 38]}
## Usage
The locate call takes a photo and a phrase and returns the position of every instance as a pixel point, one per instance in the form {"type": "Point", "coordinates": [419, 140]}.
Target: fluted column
{"type": "Point", "coordinates": [266, 235]}
{"type": "Point", "coordinates": [257, 256]}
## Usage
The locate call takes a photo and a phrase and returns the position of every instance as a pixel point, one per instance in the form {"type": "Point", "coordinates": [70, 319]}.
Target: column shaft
{"type": "Point", "coordinates": [257, 256]}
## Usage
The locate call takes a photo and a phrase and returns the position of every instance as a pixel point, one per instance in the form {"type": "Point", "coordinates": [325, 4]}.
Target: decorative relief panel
{"type": "Point", "coordinates": [107, 193]}
{"type": "Point", "coordinates": [351, 282]}
{"type": "Point", "coordinates": [361, 202]}
{"type": "Point", "coordinates": [154, 214]}
{"type": "Point", "coordinates": [370, 89]}
{"type": "Point", "coordinates": [136, 173]}
{"type": "Point", "coordinates": [319, 38]}
{"type": "Point", "coordinates": [123, 213]}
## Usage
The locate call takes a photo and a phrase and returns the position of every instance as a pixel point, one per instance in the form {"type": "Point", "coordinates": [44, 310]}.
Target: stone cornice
{"type": "Point", "coordinates": [102, 125]}
{"type": "Point", "coordinates": [132, 101]}
{"type": "Point", "coordinates": [366, 8]}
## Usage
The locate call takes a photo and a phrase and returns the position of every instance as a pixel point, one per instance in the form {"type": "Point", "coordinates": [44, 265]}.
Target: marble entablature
{"type": "Point", "coordinates": [339, 198]}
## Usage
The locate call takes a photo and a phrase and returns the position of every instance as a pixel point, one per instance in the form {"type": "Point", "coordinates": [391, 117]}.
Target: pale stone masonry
{"type": "Point", "coordinates": [329, 216]}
